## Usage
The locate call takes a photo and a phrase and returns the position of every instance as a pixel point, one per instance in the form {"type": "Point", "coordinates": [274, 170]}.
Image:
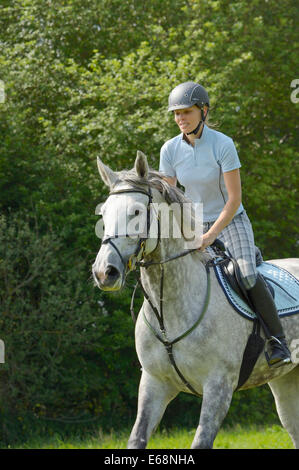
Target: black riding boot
{"type": "Point", "coordinates": [265, 307]}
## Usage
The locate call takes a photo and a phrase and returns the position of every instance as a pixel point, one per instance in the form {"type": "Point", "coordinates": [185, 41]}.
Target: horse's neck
{"type": "Point", "coordinates": [182, 279]}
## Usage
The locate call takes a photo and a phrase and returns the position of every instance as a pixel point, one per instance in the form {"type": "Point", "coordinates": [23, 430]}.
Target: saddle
{"type": "Point", "coordinates": [231, 271]}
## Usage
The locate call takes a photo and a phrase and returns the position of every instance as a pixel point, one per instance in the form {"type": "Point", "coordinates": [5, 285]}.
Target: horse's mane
{"type": "Point", "coordinates": [155, 180]}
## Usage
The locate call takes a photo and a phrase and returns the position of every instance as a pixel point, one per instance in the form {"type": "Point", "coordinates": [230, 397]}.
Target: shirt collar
{"type": "Point", "coordinates": [201, 138]}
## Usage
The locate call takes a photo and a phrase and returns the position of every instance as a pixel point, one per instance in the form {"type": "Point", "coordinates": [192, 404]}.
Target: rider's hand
{"type": "Point", "coordinates": [207, 240]}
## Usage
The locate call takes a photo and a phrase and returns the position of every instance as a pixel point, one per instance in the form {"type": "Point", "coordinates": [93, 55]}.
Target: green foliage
{"type": "Point", "coordinates": [65, 355]}
{"type": "Point", "coordinates": [93, 77]}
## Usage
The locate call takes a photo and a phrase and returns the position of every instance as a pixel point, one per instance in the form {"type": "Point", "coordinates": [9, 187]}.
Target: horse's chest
{"type": "Point", "coordinates": [155, 359]}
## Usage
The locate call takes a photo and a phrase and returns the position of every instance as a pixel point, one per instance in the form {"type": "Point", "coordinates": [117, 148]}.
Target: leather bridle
{"type": "Point", "coordinates": [140, 249]}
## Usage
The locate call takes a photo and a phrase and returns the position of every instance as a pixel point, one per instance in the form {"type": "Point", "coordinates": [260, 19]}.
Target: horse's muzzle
{"type": "Point", "coordinates": [109, 278]}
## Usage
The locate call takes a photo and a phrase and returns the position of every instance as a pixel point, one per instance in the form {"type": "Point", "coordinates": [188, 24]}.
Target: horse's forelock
{"type": "Point", "coordinates": [155, 180]}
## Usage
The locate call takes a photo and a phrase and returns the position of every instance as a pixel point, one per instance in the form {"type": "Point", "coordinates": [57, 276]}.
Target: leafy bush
{"type": "Point", "coordinates": [65, 355]}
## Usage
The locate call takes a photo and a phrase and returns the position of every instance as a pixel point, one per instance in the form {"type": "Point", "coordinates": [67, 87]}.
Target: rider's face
{"type": "Point", "coordinates": [187, 119]}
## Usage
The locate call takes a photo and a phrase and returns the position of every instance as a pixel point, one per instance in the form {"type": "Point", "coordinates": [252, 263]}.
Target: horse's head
{"type": "Point", "coordinates": [130, 224]}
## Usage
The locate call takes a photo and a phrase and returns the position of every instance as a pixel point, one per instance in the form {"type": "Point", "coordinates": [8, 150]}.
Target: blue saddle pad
{"type": "Point", "coordinates": [285, 285]}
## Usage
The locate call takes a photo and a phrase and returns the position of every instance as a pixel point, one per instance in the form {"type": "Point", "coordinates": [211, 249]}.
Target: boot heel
{"type": "Point", "coordinates": [279, 354]}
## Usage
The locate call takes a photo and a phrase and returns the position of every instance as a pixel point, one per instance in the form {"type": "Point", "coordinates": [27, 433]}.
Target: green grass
{"type": "Point", "coordinates": [253, 437]}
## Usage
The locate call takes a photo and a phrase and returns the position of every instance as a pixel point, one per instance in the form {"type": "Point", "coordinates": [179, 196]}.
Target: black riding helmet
{"type": "Point", "coordinates": [188, 94]}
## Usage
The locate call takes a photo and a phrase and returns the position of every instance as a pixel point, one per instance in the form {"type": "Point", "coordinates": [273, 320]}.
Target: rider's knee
{"type": "Point", "coordinates": [249, 281]}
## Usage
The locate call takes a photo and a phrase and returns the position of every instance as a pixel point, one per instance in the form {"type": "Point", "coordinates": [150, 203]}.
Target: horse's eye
{"type": "Point", "coordinates": [137, 212]}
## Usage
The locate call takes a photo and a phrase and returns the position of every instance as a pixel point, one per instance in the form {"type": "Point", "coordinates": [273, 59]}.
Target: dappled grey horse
{"type": "Point", "coordinates": [188, 336]}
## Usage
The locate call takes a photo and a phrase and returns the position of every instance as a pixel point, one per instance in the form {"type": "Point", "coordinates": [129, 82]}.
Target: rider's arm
{"type": "Point", "coordinates": [232, 182]}
{"type": "Point", "coordinates": [170, 180]}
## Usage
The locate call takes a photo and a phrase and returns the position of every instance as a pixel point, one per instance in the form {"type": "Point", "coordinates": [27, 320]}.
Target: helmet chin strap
{"type": "Point", "coordinates": [203, 117]}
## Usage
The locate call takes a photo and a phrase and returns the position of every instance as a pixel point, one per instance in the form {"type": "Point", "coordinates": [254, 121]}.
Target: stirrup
{"type": "Point", "coordinates": [282, 362]}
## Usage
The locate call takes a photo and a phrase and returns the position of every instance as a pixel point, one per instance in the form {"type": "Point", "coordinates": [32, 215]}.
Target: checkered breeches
{"type": "Point", "coordinates": [238, 239]}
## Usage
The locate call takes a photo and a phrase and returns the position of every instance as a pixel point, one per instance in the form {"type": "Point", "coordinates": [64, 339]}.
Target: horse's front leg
{"type": "Point", "coordinates": [217, 395]}
{"type": "Point", "coordinates": [153, 398]}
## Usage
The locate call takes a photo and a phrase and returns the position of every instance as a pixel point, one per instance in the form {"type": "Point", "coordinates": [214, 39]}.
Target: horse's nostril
{"type": "Point", "coordinates": [96, 275]}
{"type": "Point", "coordinates": [111, 271]}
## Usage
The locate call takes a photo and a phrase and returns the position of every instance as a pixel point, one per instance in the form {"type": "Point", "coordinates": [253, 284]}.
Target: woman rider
{"type": "Point", "coordinates": [206, 163]}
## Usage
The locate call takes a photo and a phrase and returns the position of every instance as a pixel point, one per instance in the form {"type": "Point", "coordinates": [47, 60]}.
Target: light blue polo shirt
{"type": "Point", "coordinates": [200, 168]}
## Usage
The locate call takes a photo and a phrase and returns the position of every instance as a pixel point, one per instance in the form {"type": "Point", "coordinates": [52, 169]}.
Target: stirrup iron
{"type": "Point", "coordinates": [286, 360]}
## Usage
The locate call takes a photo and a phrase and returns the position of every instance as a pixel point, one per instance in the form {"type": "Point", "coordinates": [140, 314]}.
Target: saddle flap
{"type": "Point", "coordinates": [231, 271]}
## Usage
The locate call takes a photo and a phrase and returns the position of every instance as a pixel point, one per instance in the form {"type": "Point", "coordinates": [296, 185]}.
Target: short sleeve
{"type": "Point", "coordinates": [165, 166]}
{"type": "Point", "coordinates": [228, 158]}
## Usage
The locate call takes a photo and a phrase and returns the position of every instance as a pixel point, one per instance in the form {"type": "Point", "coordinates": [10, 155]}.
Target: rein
{"type": "Point", "coordinates": [139, 253]}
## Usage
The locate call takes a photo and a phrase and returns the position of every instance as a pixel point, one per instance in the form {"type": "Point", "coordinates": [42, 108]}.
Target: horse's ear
{"type": "Point", "coordinates": [141, 165]}
{"type": "Point", "coordinates": [108, 176]}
